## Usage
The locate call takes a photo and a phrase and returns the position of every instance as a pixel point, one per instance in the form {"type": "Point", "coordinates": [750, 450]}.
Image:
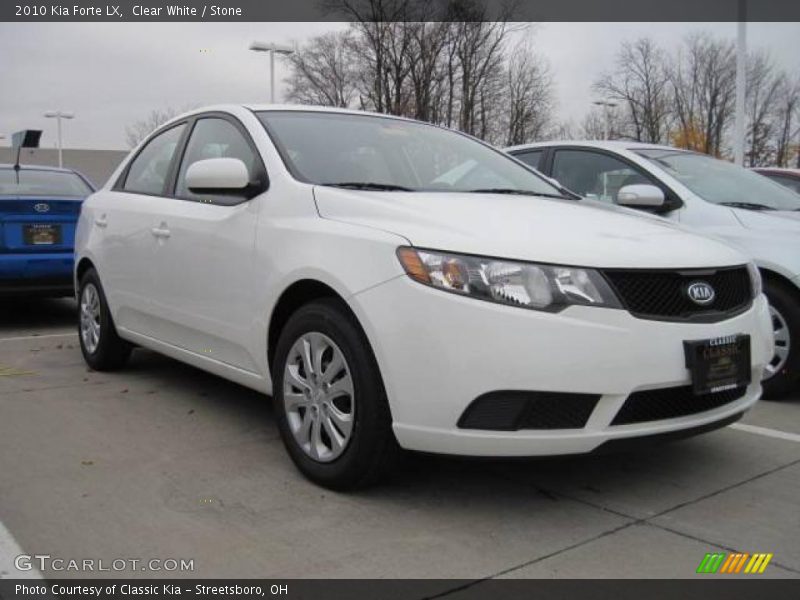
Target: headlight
{"type": "Point", "coordinates": [528, 285]}
{"type": "Point", "coordinates": [755, 279]}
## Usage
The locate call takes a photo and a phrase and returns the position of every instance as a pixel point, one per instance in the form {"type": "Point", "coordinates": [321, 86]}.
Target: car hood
{"type": "Point", "coordinates": [527, 228]}
{"type": "Point", "coordinates": [786, 220]}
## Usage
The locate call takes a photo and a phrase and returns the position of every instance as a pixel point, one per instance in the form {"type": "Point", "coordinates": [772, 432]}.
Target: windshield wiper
{"type": "Point", "coordinates": [369, 185]}
{"type": "Point", "coordinates": [747, 205]}
{"type": "Point", "coordinates": [517, 192]}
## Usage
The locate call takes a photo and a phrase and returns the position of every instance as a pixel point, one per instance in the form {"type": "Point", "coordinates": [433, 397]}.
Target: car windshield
{"type": "Point", "coordinates": [379, 153]}
{"type": "Point", "coordinates": [721, 182]}
{"type": "Point", "coordinates": [34, 182]}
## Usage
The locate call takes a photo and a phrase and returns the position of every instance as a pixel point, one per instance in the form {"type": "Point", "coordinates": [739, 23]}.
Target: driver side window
{"type": "Point", "coordinates": [148, 172]}
{"type": "Point", "coordinates": [213, 137]}
{"type": "Point", "coordinates": [595, 175]}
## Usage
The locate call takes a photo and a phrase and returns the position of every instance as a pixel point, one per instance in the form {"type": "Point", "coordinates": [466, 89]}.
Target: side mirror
{"type": "Point", "coordinates": [217, 176]}
{"type": "Point", "coordinates": [641, 195]}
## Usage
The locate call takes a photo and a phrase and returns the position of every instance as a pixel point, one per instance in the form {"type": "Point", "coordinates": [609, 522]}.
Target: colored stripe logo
{"type": "Point", "coordinates": [735, 562]}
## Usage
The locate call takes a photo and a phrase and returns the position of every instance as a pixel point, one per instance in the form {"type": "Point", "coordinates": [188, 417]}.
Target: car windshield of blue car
{"type": "Point", "coordinates": [371, 152]}
{"type": "Point", "coordinates": [34, 182]}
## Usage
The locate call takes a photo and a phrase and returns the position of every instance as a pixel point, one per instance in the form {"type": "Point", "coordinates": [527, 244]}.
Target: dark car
{"type": "Point", "coordinates": [39, 208]}
{"type": "Point", "coordinates": [789, 178]}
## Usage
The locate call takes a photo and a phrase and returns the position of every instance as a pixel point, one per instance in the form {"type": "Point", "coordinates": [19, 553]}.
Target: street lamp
{"type": "Point", "coordinates": [741, 84]}
{"type": "Point", "coordinates": [58, 115]}
{"type": "Point", "coordinates": [607, 106]}
{"type": "Point", "coordinates": [272, 49]}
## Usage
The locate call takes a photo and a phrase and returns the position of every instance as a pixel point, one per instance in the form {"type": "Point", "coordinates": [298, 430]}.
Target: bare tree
{"type": "Point", "coordinates": [763, 87]}
{"type": "Point", "coordinates": [703, 86]}
{"type": "Point", "coordinates": [479, 47]}
{"type": "Point", "coordinates": [139, 130]}
{"type": "Point", "coordinates": [323, 72]}
{"type": "Point", "coordinates": [787, 116]}
{"type": "Point", "coordinates": [598, 121]}
{"type": "Point", "coordinates": [382, 42]}
{"type": "Point", "coordinates": [528, 95]}
{"type": "Point", "coordinates": [640, 82]}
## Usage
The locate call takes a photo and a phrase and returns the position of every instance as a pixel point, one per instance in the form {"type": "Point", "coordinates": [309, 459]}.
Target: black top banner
{"type": "Point", "coordinates": [400, 10]}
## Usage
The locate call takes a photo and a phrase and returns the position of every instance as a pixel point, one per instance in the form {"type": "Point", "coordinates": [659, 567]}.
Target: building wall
{"type": "Point", "coordinates": [96, 165]}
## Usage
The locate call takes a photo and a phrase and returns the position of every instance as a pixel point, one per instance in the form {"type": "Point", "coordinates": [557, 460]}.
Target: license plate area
{"type": "Point", "coordinates": [718, 364]}
{"type": "Point", "coordinates": [41, 234]}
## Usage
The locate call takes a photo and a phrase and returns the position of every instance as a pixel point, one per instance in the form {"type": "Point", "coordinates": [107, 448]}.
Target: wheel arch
{"type": "Point", "coordinates": [299, 293]}
{"type": "Point", "coordinates": [773, 276]}
{"type": "Point", "coordinates": [84, 264]}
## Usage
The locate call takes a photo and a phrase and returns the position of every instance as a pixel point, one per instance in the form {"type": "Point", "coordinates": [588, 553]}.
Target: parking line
{"type": "Point", "coordinates": [773, 433]}
{"type": "Point", "coordinates": [37, 337]}
{"type": "Point", "coordinates": [9, 550]}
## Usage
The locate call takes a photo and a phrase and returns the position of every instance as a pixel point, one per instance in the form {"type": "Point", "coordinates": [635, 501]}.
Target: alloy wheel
{"type": "Point", "coordinates": [782, 344]}
{"type": "Point", "coordinates": [318, 396]}
{"type": "Point", "coordinates": [90, 317]}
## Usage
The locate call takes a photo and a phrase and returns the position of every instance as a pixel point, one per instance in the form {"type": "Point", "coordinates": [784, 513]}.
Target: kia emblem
{"type": "Point", "coordinates": [41, 207]}
{"type": "Point", "coordinates": [701, 293]}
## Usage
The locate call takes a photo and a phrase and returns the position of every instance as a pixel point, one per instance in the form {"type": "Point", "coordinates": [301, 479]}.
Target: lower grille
{"type": "Point", "coordinates": [669, 403]}
{"type": "Point", "coordinates": [515, 410]}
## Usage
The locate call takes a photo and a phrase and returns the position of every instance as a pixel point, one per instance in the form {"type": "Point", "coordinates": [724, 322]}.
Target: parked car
{"type": "Point", "coordinates": [396, 284]}
{"type": "Point", "coordinates": [39, 209]}
{"type": "Point", "coordinates": [789, 178]}
{"type": "Point", "coordinates": [712, 196]}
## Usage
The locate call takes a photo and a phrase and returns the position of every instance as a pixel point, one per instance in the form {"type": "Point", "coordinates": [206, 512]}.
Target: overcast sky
{"type": "Point", "coordinates": [111, 74]}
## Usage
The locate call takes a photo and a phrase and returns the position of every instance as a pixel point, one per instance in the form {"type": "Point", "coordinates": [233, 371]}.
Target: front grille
{"type": "Point", "coordinates": [662, 295]}
{"type": "Point", "coordinates": [515, 410]}
{"type": "Point", "coordinates": [668, 403]}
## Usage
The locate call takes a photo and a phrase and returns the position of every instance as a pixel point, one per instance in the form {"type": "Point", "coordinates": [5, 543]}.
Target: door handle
{"type": "Point", "coordinates": [161, 232]}
{"type": "Point", "coordinates": [101, 221]}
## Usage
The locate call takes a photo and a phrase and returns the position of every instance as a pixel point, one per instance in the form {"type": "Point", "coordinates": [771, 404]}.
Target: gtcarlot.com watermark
{"type": "Point", "coordinates": [46, 562]}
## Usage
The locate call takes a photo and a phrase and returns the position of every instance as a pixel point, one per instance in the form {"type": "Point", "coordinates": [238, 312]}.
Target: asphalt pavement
{"type": "Point", "coordinates": [163, 461]}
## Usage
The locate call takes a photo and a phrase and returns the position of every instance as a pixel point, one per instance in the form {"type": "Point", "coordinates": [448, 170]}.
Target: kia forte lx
{"type": "Point", "coordinates": [397, 285]}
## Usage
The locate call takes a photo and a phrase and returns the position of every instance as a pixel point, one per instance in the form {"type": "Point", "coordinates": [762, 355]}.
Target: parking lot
{"type": "Point", "coordinates": [164, 461]}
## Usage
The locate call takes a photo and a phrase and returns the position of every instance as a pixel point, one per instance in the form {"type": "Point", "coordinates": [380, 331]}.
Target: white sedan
{"type": "Point", "coordinates": [393, 284]}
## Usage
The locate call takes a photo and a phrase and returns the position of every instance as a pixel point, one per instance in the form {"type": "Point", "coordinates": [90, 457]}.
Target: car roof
{"type": "Point", "coordinates": [256, 107]}
{"type": "Point", "coordinates": [615, 145]}
{"type": "Point", "coordinates": [24, 167]}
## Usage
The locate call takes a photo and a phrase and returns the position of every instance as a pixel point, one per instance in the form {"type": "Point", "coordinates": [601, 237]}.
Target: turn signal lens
{"type": "Point", "coordinates": [413, 265]}
{"type": "Point", "coordinates": [539, 287]}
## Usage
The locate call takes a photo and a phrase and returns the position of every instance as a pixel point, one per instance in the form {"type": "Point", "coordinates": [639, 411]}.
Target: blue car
{"type": "Point", "coordinates": [39, 208]}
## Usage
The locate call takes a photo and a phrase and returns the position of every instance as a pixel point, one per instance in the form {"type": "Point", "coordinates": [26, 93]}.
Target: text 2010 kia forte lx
{"type": "Point", "coordinates": [398, 285]}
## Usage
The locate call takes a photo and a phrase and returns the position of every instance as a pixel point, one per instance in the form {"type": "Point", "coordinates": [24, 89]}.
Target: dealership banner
{"type": "Point", "coordinates": [398, 589]}
{"type": "Point", "coordinates": [393, 10]}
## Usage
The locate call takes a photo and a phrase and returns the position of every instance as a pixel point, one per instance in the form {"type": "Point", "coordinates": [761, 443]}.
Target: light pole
{"type": "Point", "coordinates": [272, 49]}
{"type": "Point", "coordinates": [58, 115]}
{"type": "Point", "coordinates": [741, 84]}
{"type": "Point", "coordinates": [607, 106]}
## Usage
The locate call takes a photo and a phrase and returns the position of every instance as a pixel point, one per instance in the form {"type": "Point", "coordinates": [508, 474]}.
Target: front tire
{"type": "Point", "coordinates": [102, 348]}
{"type": "Point", "coordinates": [330, 403]}
{"type": "Point", "coordinates": [783, 372]}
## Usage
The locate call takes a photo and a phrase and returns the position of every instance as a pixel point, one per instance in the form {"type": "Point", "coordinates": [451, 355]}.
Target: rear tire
{"type": "Point", "coordinates": [102, 348]}
{"type": "Point", "coordinates": [331, 407]}
{"type": "Point", "coordinates": [784, 371]}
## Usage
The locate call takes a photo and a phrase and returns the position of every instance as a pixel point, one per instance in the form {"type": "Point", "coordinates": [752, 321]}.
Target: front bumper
{"type": "Point", "coordinates": [34, 273]}
{"type": "Point", "coordinates": [438, 352]}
